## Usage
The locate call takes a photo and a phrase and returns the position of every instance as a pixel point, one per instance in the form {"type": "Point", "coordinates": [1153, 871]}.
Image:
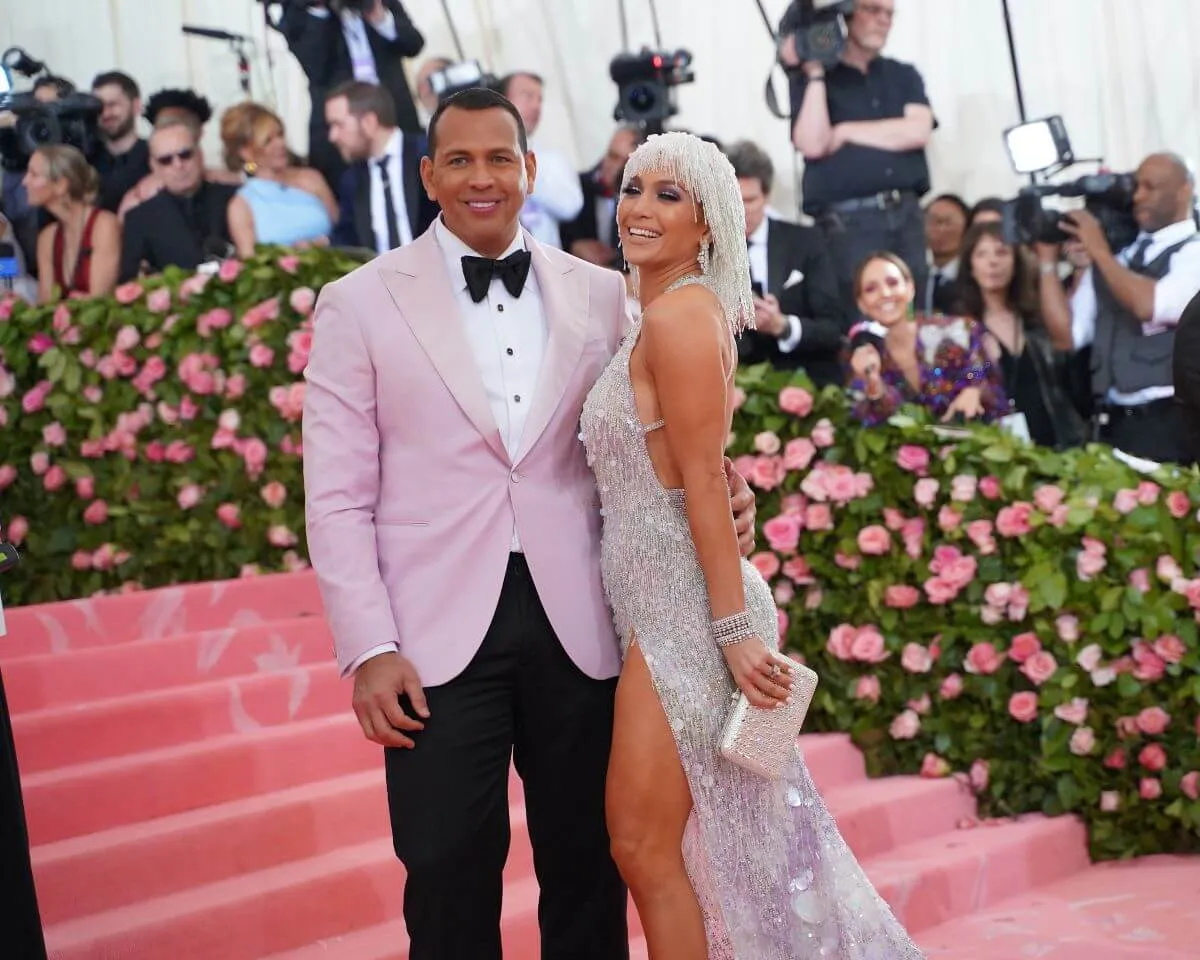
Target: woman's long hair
{"type": "Point", "coordinates": [1021, 295]}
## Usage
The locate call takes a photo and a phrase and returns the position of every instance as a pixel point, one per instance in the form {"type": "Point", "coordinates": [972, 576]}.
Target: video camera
{"type": "Point", "coordinates": [819, 28]}
{"type": "Point", "coordinates": [73, 120]}
{"type": "Point", "coordinates": [645, 85]}
{"type": "Point", "coordinates": [354, 6]}
{"type": "Point", "coordinates": [1107, 196]}
{"type": "Point", "coordinates": [457, 77]}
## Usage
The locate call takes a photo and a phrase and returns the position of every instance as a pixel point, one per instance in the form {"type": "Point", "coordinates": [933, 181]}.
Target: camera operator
{"type": "Point", "coordinates": [1126, 308]}
{"type": "Point", "coordinates": [125, 157]}
{"type": "Point", "coordinates": [862, 126]}
{"type": "Point", "coordinates": [346, 40]}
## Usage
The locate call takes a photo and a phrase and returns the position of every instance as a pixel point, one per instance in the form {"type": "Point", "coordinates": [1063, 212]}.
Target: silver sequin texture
{"type": "Point", "coordinates": [772, 872]}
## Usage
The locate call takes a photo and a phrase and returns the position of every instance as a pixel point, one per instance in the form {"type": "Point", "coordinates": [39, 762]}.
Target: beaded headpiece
{"type": "Point", "coordinates": [706, 173]}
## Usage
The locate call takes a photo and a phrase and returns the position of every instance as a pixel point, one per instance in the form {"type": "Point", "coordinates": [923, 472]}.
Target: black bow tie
{"type": "Point", "coordinates": [513, 271]}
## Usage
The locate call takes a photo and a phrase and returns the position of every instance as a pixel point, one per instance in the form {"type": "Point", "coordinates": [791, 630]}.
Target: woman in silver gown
{"type": "Point", "coordinates": [721, 863]}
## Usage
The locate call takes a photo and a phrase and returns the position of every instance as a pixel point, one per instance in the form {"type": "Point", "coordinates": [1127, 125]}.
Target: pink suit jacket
{"type": "Point", "coordinates": [410, 495]}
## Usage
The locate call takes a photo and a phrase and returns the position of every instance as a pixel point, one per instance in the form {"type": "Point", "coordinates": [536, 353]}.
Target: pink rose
{"type": "Point", "coordinates": [1115, 760]}
{"type": "Point", "coordinates": [940, 591]}
{"type": "Point", "coordinates": [1110, 801]}
{"type": "Point", "coordinates": [913, 534]}
{"type": "Point", "coordinates": [818, 517]}
{"type": "Point", "coordinates": [916, 658]}
{"type": "Point", "coordinates": [1024, 646]}
{"type": "Point", "coordinates": [1170, 648]}
{"type": "Point", "coordinates": [782, 533]}
{"type": "Point", "coordinates": [189, 496]}
{"type": "Point", "coordinates": [951, 688]}
{"type": "Point", "coordinates": [254, 452]}
{"type": "Point", "coordinates": [1067, 626]}
{"type": "Point", "coordinates": [81, 560]}
{"type": "Point", "coordinates": [841, 642]}
{"type": "Point", "coordinates": [280, 536]}
{"type": "Point", "coordinates": [767, 474]}
{"type": "Point", "coordinates": [1023, 706]}
{"type": "Point", "coordinates": [905, 726]}
{"type": "Point", "coordinates": [767, 442]}
{"type": "Point", "coordinates": [301, 300]}
{"type": "Point", "coordinates": [1148, 666]}
{"type": "Point", "coordinates": [1153, 757]}
{"type": "Point", "coordinates": [1074, 712]}
{"type": "Point", "coordinates": [1139, 579]}
{"type": "Point", "coordinates": [85, 488]}
{"type": "Point", "coordinates": [983, 659]}
{"type": "Point", "coordinates": [55, 478]}
{"type": "Point", "coordinates": [846, 561]}
{"type": "Point", "coordinates": [765, 562]}
{"type": "Point", "coordinates": [18, 529]}
{"type": "Point", "coordinates": [1189, 785]}
{"type": "Point", "coordinates": [798, 454]}
{"type": "Point", "coordinates": [1048, 498]}
{"type": "Point", "coordinates": [53, 434]}
{"type": "Point", "coordinates": [798, 571]}
{"type": "Point", "coordinates": [1153, 721]}
{"type": "Point", "coordinates": [867, 688]}
{"type": "Point", "coordinates": [1040, 667]}
{"type": "Point", "coordinates": [1083, 741]}
{"type": "Point", "coordinates": [963, 488]}
{"type": "Point", "coordinates": [1089, 565]}
{"type": "Point", "coordinates": [179, 452]}
{"type": "Point", "coordinates": [1014, 521]}
{"type": "Point", "coordinates": [823, 434]}
{"type": "Point", "coordinates": [998, 594]}
{"type": "Point", "coordinates": [921, 706]}
{"type": "Point", "coordinates": [868, 646]}
{"type": "Point", "coordinates": [874, 541]}
{"type": "Point", "coordinates": [893, 519]}
{"type": "Point", "coordinates": [949, 519]}
{"type": "Point", "coordinates": [127, 293]}
{"type": "Point", "coordinates": [912, 458]}
{"type": "Point", "coordinates": [1149, 788]}
{"type": "Point", "coordinates": [979, 775]}
{"type": "Point", "coordinates": [96, 512]}
{"type": "Point", "coordinates": [261, 313]}
{"type": "Point", "coordinates": [934, 766]}
{"type": "Point", "coordinates": [230, 515]}
{"type": "Point", "coordinates": [743, 464]}
{"type": "Point", "coordinates": [274, 494]}
{"type": "Point", "coordinates": [127, 338]}
{"type": "Point", "coordinates": [925, 492]}
{"type": "Point", "coordinates": [1126, 501]}
{"type": "Point", "coordinates": [979, 532]}
{"type": "Point", "coordinates": [261, 355]}
{"type": "Point", "coordinates": [1167, 569]}
{"type": "Point", "coordinates": [796, 401]}
{"type": "Point", "coordinates": [901, 597]}
{"type": "Point", "coordinates": [8, 476]}
{"type": "Point", "coordinates": [1147, 493]}
{"type": "Point", "coordinates": [781, 623]}
{"type": "Point", "coordinates": [289, 263]}
{"type": "Point", "coordinates": [785, 593]}
{"type": "Point", "coordinates": [39, 462]}
{"type": "Point", "coordinates": [229, 270]}
{"type": "Point", "coordinates": [1178, 504]}
{"type": "Point", "coordinates": [990, 488]}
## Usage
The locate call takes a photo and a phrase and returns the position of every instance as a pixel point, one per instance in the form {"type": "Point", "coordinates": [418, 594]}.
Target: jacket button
{"type": "Point", "coordinates": [514, 477]}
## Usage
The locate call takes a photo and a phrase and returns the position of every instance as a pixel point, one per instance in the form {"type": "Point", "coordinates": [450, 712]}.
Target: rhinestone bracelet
{"type": "Point", "coordinates": [732, 629]}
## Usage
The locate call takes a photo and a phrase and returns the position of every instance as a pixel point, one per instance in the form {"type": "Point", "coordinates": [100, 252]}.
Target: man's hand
{"type": "Point", "coordinates": [1085, 228]}
{"type": "Point", "coordinates": [741, 499]}
{"type": "Point", "coordinates": [378, 684]}
{"type": "Point", "coordinates": [768, 318]}
{"type": "Point", "coordinates": [594, 251]}
{"type": "Point", "coordinates": [968, 404]}
{"type": "Point", "coordinates": [375, 13]}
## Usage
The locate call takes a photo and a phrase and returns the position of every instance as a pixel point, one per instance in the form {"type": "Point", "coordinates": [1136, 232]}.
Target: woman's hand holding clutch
{"type": "Point", "coordinates": [757, 673]}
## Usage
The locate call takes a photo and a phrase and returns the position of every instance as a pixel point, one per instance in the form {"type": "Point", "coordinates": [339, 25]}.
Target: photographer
{"type": "Point", "coordinates": [346, 40]}
{"type": "Point", "coordinates": [1126, 308]}
{"type": "Point", "coordinates": [862, 126]}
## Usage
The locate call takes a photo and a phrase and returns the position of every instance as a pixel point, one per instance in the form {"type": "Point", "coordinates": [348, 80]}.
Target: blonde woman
{"type": "Point", "coordinates": [80, 253]}
{"type": "Point", "coordinates": [279, 203]}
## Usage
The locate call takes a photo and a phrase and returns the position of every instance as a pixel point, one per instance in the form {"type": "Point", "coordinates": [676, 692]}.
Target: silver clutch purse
{"type": "Point", "coordinates": [764, 741]}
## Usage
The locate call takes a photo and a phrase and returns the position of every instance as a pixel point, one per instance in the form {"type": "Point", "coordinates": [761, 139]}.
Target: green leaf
{"type": "Point", "coordinates": [997, 454]}
{"type": "Point", "coordinates": [1127, 686]}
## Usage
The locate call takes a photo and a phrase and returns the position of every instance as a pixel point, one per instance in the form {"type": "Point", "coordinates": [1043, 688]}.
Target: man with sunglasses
{"type": "Point", "coordinates": [187, 222]}
{"type": "Point", "coordinates": [862, 126]}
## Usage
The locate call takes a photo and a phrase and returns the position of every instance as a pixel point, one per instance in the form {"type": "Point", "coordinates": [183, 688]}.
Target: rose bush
{"type": "Point", "coordinates": [1021, 619]}
{"type": "Point", "coordinates": [1017, 618]}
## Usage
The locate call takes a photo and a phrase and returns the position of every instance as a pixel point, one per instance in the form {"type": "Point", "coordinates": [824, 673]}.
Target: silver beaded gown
{"type": "Point", "coordinates": [773, 875]}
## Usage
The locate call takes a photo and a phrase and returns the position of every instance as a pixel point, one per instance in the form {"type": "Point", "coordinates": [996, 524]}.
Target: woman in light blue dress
{"type": "Point", "coordinates": [280, 203]}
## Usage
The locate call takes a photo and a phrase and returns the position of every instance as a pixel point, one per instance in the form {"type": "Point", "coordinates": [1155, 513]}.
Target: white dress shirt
{"type": "Point", "coordinates": [1171, 295]}
{"type": "Point", "coordinates": [393, 156]}
{"type": "Point", "coordinates": [507, 336]}
{"type": "Point", "coordinates": [756, 247]}
{"type": "Point", "coordinates": [362, 58]}
{"type": "Point", "coordinates": [557, 196]}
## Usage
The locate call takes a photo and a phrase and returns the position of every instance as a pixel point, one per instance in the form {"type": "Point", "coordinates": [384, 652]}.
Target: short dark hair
{"type": "Point", "coordinates": [510, 77]}
{"type": "Point", "coordinates": [176, 99]}
{"type": "Point", "coordinates": [954, 199]}
{"type": "Point", "coordinates": [363, 98]}
{"type": "Point", "coordinates": [62, 85]}
{"type": "Point", "coordinates": [750, 162]}
{"type": "Point", "coordinates": [986, 205]}
{"type": "Point", "coordinates": [477, 99]}
{"type": "Point", "coordinates": [115, 78]}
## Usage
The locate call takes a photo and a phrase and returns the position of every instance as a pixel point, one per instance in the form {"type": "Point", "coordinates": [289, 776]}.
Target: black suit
{"type": "Point", "coordinates": [319, 44]}
{"type": "Point", "coordinates": [586, 226]}
{"type": "Point", "coordinates": [815, 300]}
{"type": "Point", "coordinates": [354, 227]}
{"type": "Point", "coordinates": [1186, 376]}
{"type": "Point", "coordinates": [168, 231]}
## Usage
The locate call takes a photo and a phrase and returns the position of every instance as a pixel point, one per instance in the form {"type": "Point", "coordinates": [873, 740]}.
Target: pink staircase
{"type": "Point", "coordinates": [196, 787]}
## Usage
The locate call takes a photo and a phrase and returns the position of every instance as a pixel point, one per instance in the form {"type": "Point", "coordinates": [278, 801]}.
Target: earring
{"type": "Point", "coordinates": [703, 259]}
{"type": "Point", "coordinates": [250, 167]}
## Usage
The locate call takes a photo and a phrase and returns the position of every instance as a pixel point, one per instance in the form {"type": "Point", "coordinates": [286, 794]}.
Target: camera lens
{"type": "Point", "coordinates": [642, 98]}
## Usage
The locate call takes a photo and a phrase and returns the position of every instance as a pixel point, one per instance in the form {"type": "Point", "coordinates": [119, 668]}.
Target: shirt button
{"type": "Point", "coordinates": [516, 398]}
{"type": "Point", "coordinates": [509, 351]}
{"type": "Point", "coordinates": [500, 307]}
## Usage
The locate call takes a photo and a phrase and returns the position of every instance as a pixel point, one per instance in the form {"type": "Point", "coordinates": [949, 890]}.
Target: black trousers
{"type": "Point", "coordinates": [1153, 431]}
{"type": "Point", "coordinates": [20, 924]}
{"type": "Point", "coordinates": [522, 698]}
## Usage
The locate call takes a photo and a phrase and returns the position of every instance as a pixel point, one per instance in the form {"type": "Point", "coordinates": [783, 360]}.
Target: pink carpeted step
{"type": "Point", "coordinates": [61, 736]}
{"type": "Point", "coordinates": [154, 614]}
{"type": "Point", "coordinates": [879, 815]}
{"type": "Point", "coordinates": [84, 799]}
{"type": "Point", "coordinates": [1147, 909]}
{"type": "Point", "coordinates": [104, 673]}
{"type": "Point", "coordinates": [832, 760]}
{"type": "Point", "coordinates": [261, 913]}
{"type": "Point", "coordinates": [142, 861]}
{"type": "Point", "coordinates": [951, 875]}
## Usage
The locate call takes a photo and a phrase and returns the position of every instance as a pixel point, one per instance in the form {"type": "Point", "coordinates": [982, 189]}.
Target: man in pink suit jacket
{"type": "Point", "coordinates": [453, 525]}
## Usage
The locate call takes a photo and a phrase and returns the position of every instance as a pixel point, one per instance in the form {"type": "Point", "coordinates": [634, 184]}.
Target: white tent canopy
{"type": "Point", "coordinates": [1121, 72]}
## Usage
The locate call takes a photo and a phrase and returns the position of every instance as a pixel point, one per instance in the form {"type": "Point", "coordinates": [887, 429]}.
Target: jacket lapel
{"type": "Point", "coordinates": [362, 208]}
{"type": "Point", "coordinates": [777, 258]}
{"type": "Point", "coordinates": [424, 296]}
{"type": "Point", "coordinates": [564, 291]}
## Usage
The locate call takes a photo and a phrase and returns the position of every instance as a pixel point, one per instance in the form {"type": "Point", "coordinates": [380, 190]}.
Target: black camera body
{"type": "Point", "coordinates": [457, 77]}
{"type": "Point", "coordinates": [74, 120]}
{"type": "Point", "coordinates": [646, 82]}
{"type": "Point", "coordinates": [354, 6]}
{"type": "Point", "coordinates": [1107, 196]}
{"type": "Point", "coordinates": [819, 28]}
